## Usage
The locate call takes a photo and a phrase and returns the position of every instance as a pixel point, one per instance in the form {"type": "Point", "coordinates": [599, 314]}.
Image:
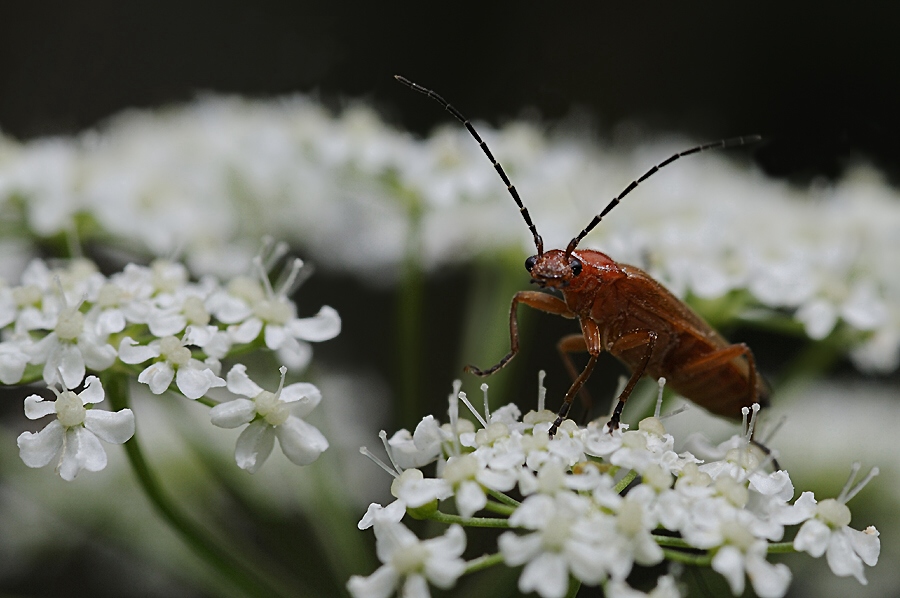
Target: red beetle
{"type": "Point", "coordinates": [624, 311]}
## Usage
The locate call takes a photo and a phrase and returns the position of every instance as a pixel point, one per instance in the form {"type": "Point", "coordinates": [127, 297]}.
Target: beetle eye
{"type": "Point", "coordinates": [529, 263]}
{"type": "Point", "coordinates": [575, 264]}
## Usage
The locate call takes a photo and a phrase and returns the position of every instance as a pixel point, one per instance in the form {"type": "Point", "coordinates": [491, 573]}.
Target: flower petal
{"type": "Point", "coordinates": [294, 354]}
{"type": "Point", "coordinates": [131, 352]}
{"type": "Point", "coordinates": [841, 558]}
{"type": "Point", "coordinates": [769, 580]}
{"type": "Point", "coordinates": [470, 498]}
{"type": "Point", "coordinates": [301, 391]}
{"type": "Point", "coordinates": [240, 383]}
{"type": "Point", "coordinates": [380, 584]}
{"type": "Point", "coordinates": [254, 446]}
{"type": "Point", "coordinates": [93, 391]}
{"type": "Point", "coordinates": [301, 442]}
{"type": "Point", "coordinates": [68, 360]}
{"type": "Point", "coordinates": [36, 407]}
{"type": "Point", "coordinates": [113, 427]}
{"type": "Point", "coordinates": [812, 537]}
{"type": "Point", "coordinates": [323, 326]}
{"type": "Point", "coordinates": [547, 575]}
{"type": "Point", "coordinates": [194, 382]}
{"type": "Point", "coordinates": [729, 563]}
{"type": "Point", "coordinates": [158, 376]}
{"type": "Point", "coordinates": [37, 450]}
{"type": "Point", "coordinates": [97, 354]}
{"type": "Point", "coordinates": [865, 543]}
{"type": "Point", "coordinates": [233, 413]}
{"type": "Point", "coordinates": [81, 450]}
{"type": "Point", "coordinates": [12, 363]}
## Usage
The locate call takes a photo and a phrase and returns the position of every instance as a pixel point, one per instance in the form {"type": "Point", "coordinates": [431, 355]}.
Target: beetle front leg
{"type": "Point", "coordinates": [590, 342]}
{"type": "Point", "coordinates": [573, 390]}
{"type": "Point", "coordinates": [574, 343]}
{"type": "Point", "coordinates": [535, 299]}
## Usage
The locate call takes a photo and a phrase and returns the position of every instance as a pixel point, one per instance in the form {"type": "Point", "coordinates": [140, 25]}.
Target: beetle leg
{"type": "Point", "coordinates": [623, 343]}
{"type": "Point", "coordinates": [573, 390]}
{"type": "Point", "coordinates": [590, 338]}
{"type": "Point", "coordinates": [574, 343]}
{"type": "Point", "coordinates": [536, 300]}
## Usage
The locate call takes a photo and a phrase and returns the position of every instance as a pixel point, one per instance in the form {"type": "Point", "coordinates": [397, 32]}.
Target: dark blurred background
{"type": "Point", "coordinates": [818, 78]}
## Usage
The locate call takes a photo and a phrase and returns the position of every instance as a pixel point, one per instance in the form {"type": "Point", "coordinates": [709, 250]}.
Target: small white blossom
{"type": "Point", "coordinates": [270, 416]}
{"type": "Point", "coordinates": [827, 532]}
{"type": "Point", "coordinates": [70, 348]}
{"type": "Point", "coordinates": [76, 432]}
{"type": "Point", "coordinates": [193, 377]}
{"type": "Point", "coordinates": [261, 309]}
{"type": "Point", "coordinates": [410, 564]}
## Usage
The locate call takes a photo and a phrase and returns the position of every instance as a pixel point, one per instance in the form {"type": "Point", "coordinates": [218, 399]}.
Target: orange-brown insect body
{"type": "Point", "coordinates": [623, 311]}
{"type": "Point", "coordinates": [613, 300]}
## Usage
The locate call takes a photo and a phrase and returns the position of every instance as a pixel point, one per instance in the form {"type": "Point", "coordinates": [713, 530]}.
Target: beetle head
{"type": "Point", "coordinates": [554, 269]}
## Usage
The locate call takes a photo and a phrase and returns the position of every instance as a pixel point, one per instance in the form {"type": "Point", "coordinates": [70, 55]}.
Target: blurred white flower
{"type": "Point", "coordinates": [209, 178]}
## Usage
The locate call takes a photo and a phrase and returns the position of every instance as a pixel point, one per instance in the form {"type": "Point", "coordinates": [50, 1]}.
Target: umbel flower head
{"type": "Point", "coordinates": [153, 324]}
{"type": "Point", "coordinates": [576, 522]}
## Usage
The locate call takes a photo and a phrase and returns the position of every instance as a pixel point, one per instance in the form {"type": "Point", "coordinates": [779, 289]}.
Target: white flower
{"type": "Point", "coordinates": [421, 447]}
{"type": "Point", "coordinates": [828, 532]}
{"type": "Point", "coordinates": [13, 359]}
{"type": "Point", "coordinates": [260, 308]}
{"type": "Point", "coordinates": [410, 563]}
{"type": "Point", "coordinates": [570, 537]}
{"type": "Point", "coordinates": [270, 416]}
{"type": "Point", "coordinates": [469, 477]}
{"type": "Point", "coordinates": [741, 554]}
{"type": "Point", "coordinates": [70, 348]}
{"type": "Point", "coordinates": [718, 524]}
{"type": "Point", "coordinates": [410, 486]}
{"type": "Point", "coordinates": [76, 433]}
{"type": "Point", "coordinates": [193, 377]}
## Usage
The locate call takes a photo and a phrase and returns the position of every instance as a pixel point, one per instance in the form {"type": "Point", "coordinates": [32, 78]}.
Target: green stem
{"type": "Point", "coordinates": [408, 318]}
{"type": "Point", "coordinates": [672, 542]}
{"type": "Point", "coordinates": [781, 548]}
{"type": "Point", "coordinates": [483, 562]}
{"type": "Point", "coordinates": [574, 586]}
{"type": "Point", "coordinates": [507, 500]}
{"type": "Point", "coordinates": [493, 522]}
{"type": "Point", "coordinates": [623, 483]}
{"type": "Point", "coordinates": [688, 558]}
{"type": "Point", "coordinates": [498, 508]}
{"type": "Point", "coordinates": [199, 540]}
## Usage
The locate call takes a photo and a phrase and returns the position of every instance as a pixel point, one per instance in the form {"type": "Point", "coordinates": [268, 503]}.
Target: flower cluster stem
{"type": "Point", "coordinates": [483, 562]}
{"type": "Point", "coordinates": [199, 540]}
{"type": "Point", "coordinates": [492, 522]}
{"type": "Point", "coordinates": [503, 498]}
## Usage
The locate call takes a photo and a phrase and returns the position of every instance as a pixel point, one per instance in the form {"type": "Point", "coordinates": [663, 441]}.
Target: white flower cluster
{"type": "Point", "coordinates": [154, 324]}
{"type": "Point", "coordinates": [595, 503]}
{"type": "Point", "coordinates": [206, 177]}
